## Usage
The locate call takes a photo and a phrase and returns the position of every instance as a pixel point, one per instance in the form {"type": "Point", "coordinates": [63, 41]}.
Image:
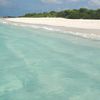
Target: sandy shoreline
{"type": "Point", "coordinates": [75, 23]}
{"type": "Point", "coordinates": [85, 27]}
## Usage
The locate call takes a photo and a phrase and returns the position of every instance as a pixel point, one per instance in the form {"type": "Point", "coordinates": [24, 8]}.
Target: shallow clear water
{"type": "Point", "coordinates": [38, 64]}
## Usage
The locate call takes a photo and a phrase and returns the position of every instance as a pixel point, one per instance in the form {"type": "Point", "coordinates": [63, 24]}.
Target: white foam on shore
{"type": "Point", "coordinates": [83, 35]}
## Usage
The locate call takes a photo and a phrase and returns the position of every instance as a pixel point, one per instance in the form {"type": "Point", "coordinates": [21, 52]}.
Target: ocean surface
{"type": "Point", "coordinates": [43, 64]}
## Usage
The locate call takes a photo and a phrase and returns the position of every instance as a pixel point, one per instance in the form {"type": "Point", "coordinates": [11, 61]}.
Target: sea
{"type": "Point", "coordinates": [41, 63]}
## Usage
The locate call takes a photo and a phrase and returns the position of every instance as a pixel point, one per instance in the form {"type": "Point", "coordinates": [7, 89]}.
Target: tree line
{"type": "Point", "coordinates": [82, 13]}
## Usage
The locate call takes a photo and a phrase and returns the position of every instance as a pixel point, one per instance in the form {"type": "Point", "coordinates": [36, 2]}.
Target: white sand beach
{"type": "Point", "coordinates": [76, 23]}
{"type": "Point", "coordinates": [73, 25]}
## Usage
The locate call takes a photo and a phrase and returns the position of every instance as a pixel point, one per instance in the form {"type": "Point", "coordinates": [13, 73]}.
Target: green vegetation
{"type": "Point", "coordinates": [82, 13]}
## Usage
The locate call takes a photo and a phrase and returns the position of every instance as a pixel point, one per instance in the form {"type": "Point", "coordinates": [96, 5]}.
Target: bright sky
{"type": "Point", "coordinates": [19, 7]}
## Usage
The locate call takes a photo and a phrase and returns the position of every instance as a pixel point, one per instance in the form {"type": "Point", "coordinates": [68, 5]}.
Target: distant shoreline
{"type": "Point", "coordinates": [85, 27]}
{"type": "Point", "coordinates": [75, 23]}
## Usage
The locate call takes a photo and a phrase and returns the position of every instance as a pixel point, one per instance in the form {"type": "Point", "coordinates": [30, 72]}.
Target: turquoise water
{"type": "Point", "coordinates": [38, 64]}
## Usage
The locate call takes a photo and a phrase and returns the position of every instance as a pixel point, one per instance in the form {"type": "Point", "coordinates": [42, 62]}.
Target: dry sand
{"type": "Point", "coordinates": [75, 23]}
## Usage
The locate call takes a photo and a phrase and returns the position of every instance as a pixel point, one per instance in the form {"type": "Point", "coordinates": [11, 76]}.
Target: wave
{"type": "Point", "coordinates": [92, 36]}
